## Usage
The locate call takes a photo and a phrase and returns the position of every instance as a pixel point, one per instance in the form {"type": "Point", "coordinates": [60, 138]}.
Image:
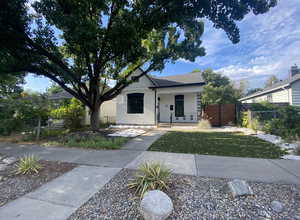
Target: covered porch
{"type": "Point", "coordinates": [180, 105]}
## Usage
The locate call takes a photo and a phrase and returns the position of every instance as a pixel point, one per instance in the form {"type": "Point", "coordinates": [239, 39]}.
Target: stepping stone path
{"type": "Point", "coordinates": [239, 188]}
{"type": "Point", "coordinates": [156, 205]}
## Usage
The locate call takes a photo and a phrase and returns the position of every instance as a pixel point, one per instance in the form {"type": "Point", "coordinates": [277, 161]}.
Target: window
{"type": "Point", "coordinates": [269, 97]}
{"type": "Point", "coordinates": [179, 106]}
{"type": "Point", "coordinates": [135, 103]}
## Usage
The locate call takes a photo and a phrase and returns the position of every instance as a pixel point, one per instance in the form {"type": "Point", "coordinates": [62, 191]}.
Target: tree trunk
{"type": "Point", "coordinates": [95, 118]}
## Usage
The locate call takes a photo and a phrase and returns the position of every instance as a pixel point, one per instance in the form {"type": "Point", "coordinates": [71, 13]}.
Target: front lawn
{"type": "Point", "coordinates": [216, 143]}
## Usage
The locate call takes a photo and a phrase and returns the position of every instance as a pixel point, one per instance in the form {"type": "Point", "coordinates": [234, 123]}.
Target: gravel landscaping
{"type": "Point", "coordinates": [195, 198]}
{"type": "Point", "coordinates": [13, 186]}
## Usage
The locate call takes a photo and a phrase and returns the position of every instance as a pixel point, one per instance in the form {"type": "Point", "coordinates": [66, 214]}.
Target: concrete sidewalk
{"type": "Point", "coordinates": [262, 170]}
{"type": "Point", "coordinates": [104, 158]}
{"type": "Point", "coordinates": [58, 199]}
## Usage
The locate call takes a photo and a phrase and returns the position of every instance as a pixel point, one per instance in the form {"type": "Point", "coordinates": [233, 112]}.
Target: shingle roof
{"type": "Point", "coordinates": [275, 86]}
{"type": "Point", "coordinates": [178, 80]}
{"type": "Point", "coordinates": [60, 95]}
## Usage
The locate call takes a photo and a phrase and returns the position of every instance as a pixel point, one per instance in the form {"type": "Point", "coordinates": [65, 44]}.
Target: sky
{"type": "Point", "coordinates": [269, 45]}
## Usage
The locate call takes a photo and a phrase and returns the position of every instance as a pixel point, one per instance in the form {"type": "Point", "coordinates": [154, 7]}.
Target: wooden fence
{"type": "Point", "coordinates": [220, 114]}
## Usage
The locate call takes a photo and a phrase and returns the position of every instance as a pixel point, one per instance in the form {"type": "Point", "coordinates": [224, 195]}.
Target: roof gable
{"type": "Point", "coordinates": [276, 86]}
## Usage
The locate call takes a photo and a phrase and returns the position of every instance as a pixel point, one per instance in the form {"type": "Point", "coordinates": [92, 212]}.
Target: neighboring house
{"type": "Point", "coordinates": [107, 110]}
{"type": "Point", "coordinates": [286, 91]}
{"type": "Point", "coordinates": [151, 100]}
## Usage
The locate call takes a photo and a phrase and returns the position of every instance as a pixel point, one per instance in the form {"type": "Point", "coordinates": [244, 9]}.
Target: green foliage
{"type": "Point", "coordinates": [53, 89]}
{"type": "Point", "coordinates": [232, 144]}
{"type": "Point", "coordinates": [151, 176]}
{"type": "Point", "coordinates": [72, 114]}
{"type": "Point", "coordinates": [46, 134]}
{"type": "Point", "coordinates": [11, 85]}
{"type": "Point", "coordinates": [91, 141]}
{"type": "Point", "coordinates": [286, 124]}
{"type": "Point", "coordinates": [271, 80]}
{"type": "Point", "coordinates": [250, 123]}
{"type": "Point", "coordinates": [91, 46]}
{"type": "Point", "coordinates": [215, 79]}
{"type": "Point", "coordinates": [218, 89]}
{"type": "Point", "coordinates": [28, 165]}
{"type": "Point", "coordinates": [22, 113]}
{"type": "Point", "coordinates": [252, 91]}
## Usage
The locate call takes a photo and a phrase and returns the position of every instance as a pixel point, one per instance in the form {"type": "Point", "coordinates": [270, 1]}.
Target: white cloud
{"type": "Point", "coordinates": [270, 44]}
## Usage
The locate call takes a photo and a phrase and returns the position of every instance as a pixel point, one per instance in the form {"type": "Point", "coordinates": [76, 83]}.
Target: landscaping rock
{"type": "Point", "coordinates": [297, 196]}
{"type": "Point", "coordinates": [277, 206]}
{"type": "Point", "coordinates": [3, 167]}
{"type": "Point", "coordinates": [2, 178]}
{"type": "Point", "coordinates": [239, 188]}
{"type": "Point", "coordinates": [10, 160]}
{"type": "Point", "coordinates": [156, 205]}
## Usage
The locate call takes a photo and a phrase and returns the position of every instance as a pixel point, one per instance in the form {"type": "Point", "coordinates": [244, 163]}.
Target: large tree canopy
{"type": "Point", "coordinates": [82, 44]}
{"type": "Point", "coordinates": [11, 85]}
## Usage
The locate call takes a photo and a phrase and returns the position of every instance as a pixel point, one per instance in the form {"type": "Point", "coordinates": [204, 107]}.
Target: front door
{"type": "Point", "coordinates": [166, 107]}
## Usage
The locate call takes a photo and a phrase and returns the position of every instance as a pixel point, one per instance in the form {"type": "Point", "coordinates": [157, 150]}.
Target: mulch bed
{"type": "Point", "coordinates": [193, 198]}
{"type": "Point", "coordinates": [14, 186]}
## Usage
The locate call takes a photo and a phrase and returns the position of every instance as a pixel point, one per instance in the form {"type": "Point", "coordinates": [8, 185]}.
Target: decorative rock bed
{"type": "Point", "coordinates": [193, 198]}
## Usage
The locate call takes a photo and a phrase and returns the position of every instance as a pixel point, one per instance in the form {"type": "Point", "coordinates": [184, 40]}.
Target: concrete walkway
{"type": "Point", "coordinates": [59, 198]}
{"type": "Point", "coordinates": [262, 170]}
{"type": "Point", "coordinates": [104, 158]}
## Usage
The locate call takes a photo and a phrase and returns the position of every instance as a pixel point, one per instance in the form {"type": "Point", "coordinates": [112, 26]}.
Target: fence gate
{"type": "Point", "coordinates": [220, 114]}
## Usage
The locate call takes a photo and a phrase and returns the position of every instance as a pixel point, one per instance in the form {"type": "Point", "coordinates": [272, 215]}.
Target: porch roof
{"type": "Point", "coordinates": [189, 79]}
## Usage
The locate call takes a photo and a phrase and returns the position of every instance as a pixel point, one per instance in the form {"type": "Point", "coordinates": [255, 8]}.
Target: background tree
{"type": "Point", "coordinates": [271, 80]}
{"type": "Point", "coordinates": [11, 85]}
{"type": "Point", "coordinates": [218, 89]}
{"type": "Point", "coordinates": [252, 91]}
{"type": "Point", "coordinates": [82, 44]}
{"type": "Point", "coordinates": [54, 88]}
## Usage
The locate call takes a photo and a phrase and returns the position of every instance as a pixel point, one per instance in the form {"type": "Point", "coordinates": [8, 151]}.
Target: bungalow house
{"type": "Point", "coordinates": [151, 100]}
{"type": "Point", "coordinates": [284, 92]}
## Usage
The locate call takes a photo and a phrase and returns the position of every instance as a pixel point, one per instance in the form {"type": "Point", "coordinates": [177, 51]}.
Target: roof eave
{"type": "Point", "coordinates": [179, 85]}
{"type": "Point", "coordinates": [265, 92]}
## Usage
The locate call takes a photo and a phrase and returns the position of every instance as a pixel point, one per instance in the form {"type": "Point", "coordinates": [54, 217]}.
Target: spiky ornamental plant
{"type": "Point", "coordinates": [83, 44]}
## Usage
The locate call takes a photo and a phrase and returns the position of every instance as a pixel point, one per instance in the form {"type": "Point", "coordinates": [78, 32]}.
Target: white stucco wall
{"type": "Point", "coordinates": [107, 112]}
{"type": "Point", "coordinates": [148, 117]}
{"type": "Point", "coordinates": [190, 107]}
{"type": "Point", "coordinates": [295, 91]}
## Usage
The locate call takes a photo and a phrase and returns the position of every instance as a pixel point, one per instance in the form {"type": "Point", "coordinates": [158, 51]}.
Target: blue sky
{"type": "Point", "coordinates": [270, 44]}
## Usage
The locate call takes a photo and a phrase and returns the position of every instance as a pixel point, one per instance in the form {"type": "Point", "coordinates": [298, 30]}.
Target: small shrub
{"type": "Point", "coordinates": [71, 113]}
{"type": "Point", "coordinates": [28, 165]}
{"type": "Point", "coordinates": [151, 176]}
{"type": "Point", "coordinates": [95, 142]}
{"type": "Point", "coordinates": [204, 124]}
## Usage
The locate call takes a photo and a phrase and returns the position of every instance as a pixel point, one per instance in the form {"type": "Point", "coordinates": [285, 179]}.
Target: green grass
{"type": "Point", "coordinates": [97, 142]}
{"type": "Point", "coordinates": [216, 143]}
